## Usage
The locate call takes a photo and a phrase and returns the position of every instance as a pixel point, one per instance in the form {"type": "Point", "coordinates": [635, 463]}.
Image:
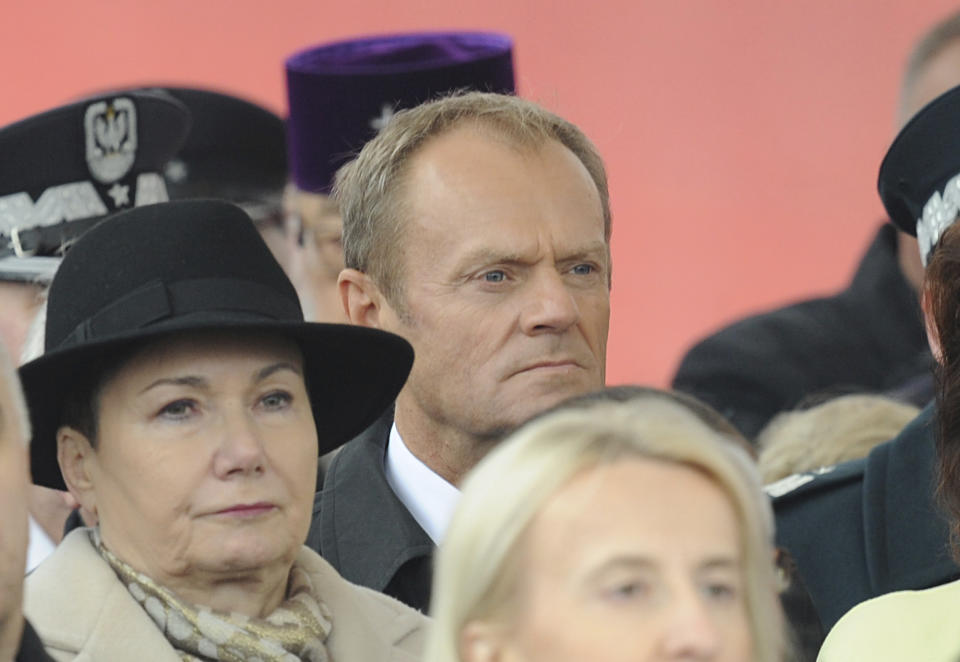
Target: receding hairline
{"type": "Point", "coordinates": [371, 189]}
{"type": "Point", "coordinates": [490, 131]}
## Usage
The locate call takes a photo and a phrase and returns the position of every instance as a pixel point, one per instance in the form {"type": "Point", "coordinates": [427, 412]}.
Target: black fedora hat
{"type": "Point", "coordinates": [190, 266]}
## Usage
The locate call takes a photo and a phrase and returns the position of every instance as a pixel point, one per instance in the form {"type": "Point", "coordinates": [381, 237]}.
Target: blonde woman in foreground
{"type": "Point", "coordinates": [610, 531]}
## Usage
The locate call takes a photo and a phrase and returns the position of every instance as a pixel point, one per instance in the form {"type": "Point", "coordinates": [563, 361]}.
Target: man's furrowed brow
{"type": "Point", "coordinates": [484, 256]}
{"type": "Point", "coordinates": [591, 251]}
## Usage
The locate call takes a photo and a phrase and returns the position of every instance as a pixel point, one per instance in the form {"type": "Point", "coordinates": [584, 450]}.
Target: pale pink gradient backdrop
{"type": "Point", "coordinates": [742, 138]}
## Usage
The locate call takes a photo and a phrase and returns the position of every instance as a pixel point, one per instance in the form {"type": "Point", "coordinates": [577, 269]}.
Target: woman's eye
{"type": "Point", "coordinates": [276, 400]}
{"type": "Point", "coordinates": [496, 276]}
{"type": "Point", "coordinates": [628, 590]}
{"type": "Point", "coordinates": [720, 591]}
{"type": "Point", "coordinates": [178, 409]}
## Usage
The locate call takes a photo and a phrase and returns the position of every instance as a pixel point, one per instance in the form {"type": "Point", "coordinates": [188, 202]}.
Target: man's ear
{"type": "Point", "coordinates": [933, 338]}
{"type": "Point", "coordinates": [76, 456]}
{"type": "Point", "coordinates": [361, 298]}
{"type": "Point", "coordinates": [482, 641]}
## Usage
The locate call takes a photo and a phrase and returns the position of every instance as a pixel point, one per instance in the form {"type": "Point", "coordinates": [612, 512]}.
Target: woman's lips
{"type": "Point", "coordinates": [247, 510]}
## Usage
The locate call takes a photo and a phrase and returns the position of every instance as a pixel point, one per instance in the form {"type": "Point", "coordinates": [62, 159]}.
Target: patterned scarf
{"type": "Point", "coordinates": [296, 630]}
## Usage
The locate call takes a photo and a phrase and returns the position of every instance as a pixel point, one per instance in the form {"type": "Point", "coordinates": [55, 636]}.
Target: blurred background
{"type": "Point", "coordinates": [742, 138]}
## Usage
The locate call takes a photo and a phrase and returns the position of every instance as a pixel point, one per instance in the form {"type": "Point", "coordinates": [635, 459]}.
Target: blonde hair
{"type": "Point", "coordinates": [841, 429]}
{"type": "Point", "coordinates": [370, 188]}
{"type": "Point", "coordinates": [477, 570]}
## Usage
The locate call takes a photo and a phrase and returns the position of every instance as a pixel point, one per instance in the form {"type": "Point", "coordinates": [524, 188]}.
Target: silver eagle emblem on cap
{"type": "Point", "coordinates": [111, 137]}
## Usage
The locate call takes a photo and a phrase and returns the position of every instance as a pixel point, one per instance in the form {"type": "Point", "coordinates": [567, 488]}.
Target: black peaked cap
{"type": "Point", "coordinates": [923, 157]}
{"type": "Point", "coordinates": [65, 169]}
{"type": "Point", "coordinates": [236, 150]}
{"type": "Point", "coordinates": [48, 149]}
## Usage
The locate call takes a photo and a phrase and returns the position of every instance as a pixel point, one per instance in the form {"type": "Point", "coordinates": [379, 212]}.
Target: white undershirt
{"type": "Point", "coordinates": [429, 498]}
{"type": "Point", "coordinates": [40, 546]}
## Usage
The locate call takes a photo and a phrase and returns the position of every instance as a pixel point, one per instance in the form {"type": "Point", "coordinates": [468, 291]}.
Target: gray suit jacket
{"type": "Point", "coordinates": [364, 530]}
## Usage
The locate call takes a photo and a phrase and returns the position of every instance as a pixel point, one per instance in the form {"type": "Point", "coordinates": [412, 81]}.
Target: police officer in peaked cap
{"type": "Point", "coordinates": [872, 526]}
{"type": "Point", "coordinates": [65, 170]}
{"type": "Point", "coordinates": [62, 172]}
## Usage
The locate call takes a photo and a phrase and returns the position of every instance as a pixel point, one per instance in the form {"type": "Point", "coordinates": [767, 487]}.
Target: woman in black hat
{"type": "Point", "coordinates": [182, 399]}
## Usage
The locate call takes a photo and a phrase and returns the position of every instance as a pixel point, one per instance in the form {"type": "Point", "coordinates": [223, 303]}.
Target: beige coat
{"type": "Point", "coordinates": [83, 612]}
{"type": "Point", "coordinates": [897, 627]}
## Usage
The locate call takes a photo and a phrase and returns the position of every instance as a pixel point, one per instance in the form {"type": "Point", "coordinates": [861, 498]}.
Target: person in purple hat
{"type": "Point", "coordinates": [477, 227]}
{"type": "Point", "coordinates": [340, 95]}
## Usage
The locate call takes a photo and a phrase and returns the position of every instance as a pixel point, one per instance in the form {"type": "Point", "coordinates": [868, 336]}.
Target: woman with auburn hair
{"type": "Point", "coordinates": [611, 531]}
{"type": "Point", "coordinates": [920, 186]}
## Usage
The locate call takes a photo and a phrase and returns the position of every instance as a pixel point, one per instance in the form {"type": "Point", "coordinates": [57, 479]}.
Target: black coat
{"type": "Point", "coordinates": [869, 337]}
{"type": "Point", "coordinates": [364, 531]}
{"type": "Point", "coordinates": [867, 527]}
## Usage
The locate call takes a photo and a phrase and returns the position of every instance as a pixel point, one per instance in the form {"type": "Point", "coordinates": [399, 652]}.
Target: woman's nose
{"type": "Point", "coordinates": [240, 451]}
{"type": "Point", "coordinates": [691, 631]}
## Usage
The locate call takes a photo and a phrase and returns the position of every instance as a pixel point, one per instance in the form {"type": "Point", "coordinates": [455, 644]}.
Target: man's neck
{"type": "Point", "coordinates": [448, 451]}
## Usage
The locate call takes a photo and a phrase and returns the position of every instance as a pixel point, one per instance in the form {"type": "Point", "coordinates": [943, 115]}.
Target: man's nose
{"type": "Point", "coordinates": [550, 306]}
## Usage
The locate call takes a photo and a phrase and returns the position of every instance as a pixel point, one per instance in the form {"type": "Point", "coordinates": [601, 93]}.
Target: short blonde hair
{"type": "Point", "coordinates": [370, 189]}
{"type": "Point", "coordinates": [477, 570]}
{"type": "Point", "coordinates": [841, 429]}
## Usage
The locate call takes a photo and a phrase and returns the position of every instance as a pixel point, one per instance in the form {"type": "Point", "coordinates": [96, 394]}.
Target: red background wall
{"type": "Point", "coordinates": [742, 138]}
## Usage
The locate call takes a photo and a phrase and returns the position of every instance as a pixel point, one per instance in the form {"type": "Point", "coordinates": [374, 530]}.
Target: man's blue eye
{"type": "Point", "coordinates": [494, 276]}
{"type": "Point", "coordinates": [583, 269]}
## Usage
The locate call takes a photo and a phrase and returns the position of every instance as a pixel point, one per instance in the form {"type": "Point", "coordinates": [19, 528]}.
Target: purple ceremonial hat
{"type": "Point", "coordinates": [342, 93]}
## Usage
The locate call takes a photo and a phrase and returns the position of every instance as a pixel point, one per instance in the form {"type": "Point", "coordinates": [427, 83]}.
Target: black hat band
{"type": "Point", "coordinates": [157, 301]}
{"type": "Point", "coordinates": [939, 213]}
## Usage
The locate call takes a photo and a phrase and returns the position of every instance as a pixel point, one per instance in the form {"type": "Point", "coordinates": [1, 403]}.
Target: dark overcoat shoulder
{"type": "Point", "coordinates": [364, 531]}
{"type": "Point", "coordinates": [867, 527]}
{"type": "Point", "coordinates": [869, 337]}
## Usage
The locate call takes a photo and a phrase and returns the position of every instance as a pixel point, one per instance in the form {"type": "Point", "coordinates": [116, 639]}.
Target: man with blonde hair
{"type": "Point", "coordinates": [476, 226]}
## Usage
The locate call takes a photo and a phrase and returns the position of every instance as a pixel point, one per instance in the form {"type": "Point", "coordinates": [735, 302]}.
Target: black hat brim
{"type": "Point", "coordinates": [352, 374]}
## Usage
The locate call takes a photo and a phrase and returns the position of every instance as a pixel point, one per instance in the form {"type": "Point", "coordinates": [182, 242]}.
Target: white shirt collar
{"type": "Point", "coordinates": [429, 498]}
{"type": "Point", "coordinates": [40, 546]}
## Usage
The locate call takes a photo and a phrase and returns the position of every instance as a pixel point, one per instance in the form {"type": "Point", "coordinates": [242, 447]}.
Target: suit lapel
{"type": "Point", "coordinates": [365, 531]}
